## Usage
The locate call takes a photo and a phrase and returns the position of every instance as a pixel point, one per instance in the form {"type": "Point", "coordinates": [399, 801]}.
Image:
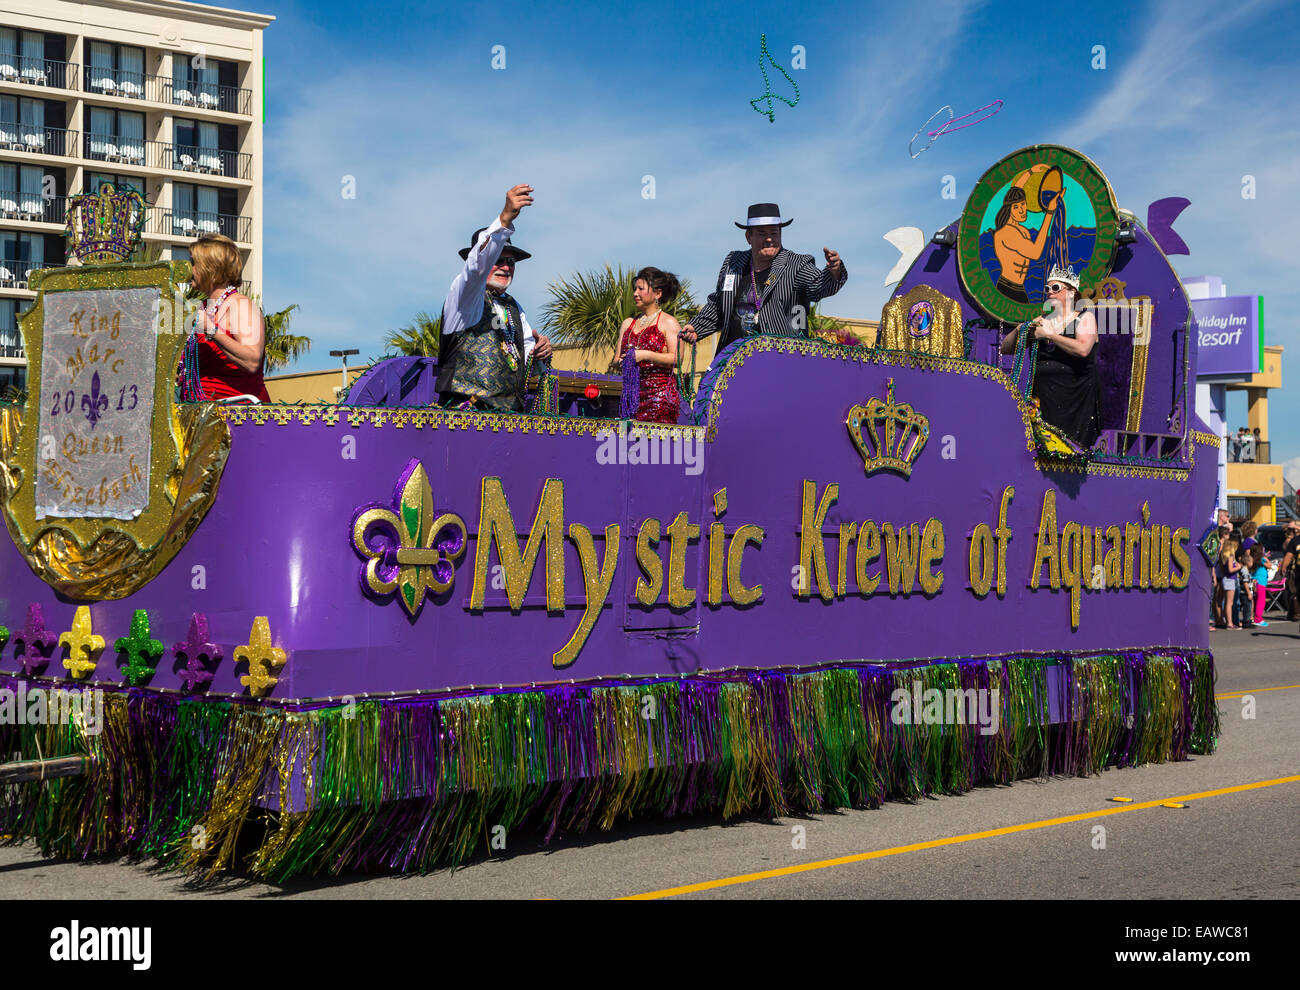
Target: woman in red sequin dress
{"type": "Point", "coordinates": [653, 334]}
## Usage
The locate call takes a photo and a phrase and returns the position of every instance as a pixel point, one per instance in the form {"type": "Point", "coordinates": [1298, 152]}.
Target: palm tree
{"type": "Point", "coordinates": [588, 308]}
{"type": "Point", "coordinates": [417, 339]}
{"type": "Point", "coordinates": [282, 347]}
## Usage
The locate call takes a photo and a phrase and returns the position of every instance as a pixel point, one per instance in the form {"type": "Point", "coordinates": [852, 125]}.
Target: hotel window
{"type": "Point", "coordinates": [20, 192]}
{"type": "Point", "coordinates": [19, 254]}
{"type": "Point", "coordinates": [116, 70]}
{"type": "Point", "coordinates": [22, 124]}
{"type": "Point", "coordinates": [22, 57]}
{"type": "Point", "coordinates": [96, 179]}
{"type": "Point", "coordinates": [199, 210]}
{"type": "Point", "coordinates": [9, 335]}
{"type": "Point", "coordinates": [198, 147]}
{"type": "Point", "coordinates": [193, 86]}
{"type": "Point", "coordinates": [116, 136]}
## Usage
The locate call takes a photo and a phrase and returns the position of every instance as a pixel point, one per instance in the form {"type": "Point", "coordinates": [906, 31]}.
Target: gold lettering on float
{"type": "Point", "coordinates": [1160, 557]}
{"type": "Point", "coordinates": [738, 593]}
{"type": "Point", "coordinates": [596, 580]}
{"type": "Point", "coordinates": [1184, 575]}
{"type": "Point", "coordinates": [1045, 550]}
{"type": "Point", "coordinates": [1003, 536]}
{"type": "Point", "coordinates": [1071, 553]}
{"type": "Point", "coordinates": [1144, 569]}
{"type": "Point", "coordinates": [847, 532]}
{"type": "Point", "coordinates": [680, 533]}
{"type": "Point", "coordinates": [717, 549]}
{"type": "Point", "coordinates": [981, 560]}
{"type": "Point", "coordinates": [812, 551]}
{"type": "Point", "coordinates": [868, 550]}
{"type": "Point", "coordinates": [496, 525]}
{"type": "Point", "coordinates": [931, 553]}
{"type": "Point", "coordinates": [1114, 570]}
{"type": "Point", "coordinates": [901, 556]}
{"type": "Point", "coordinates": [651, 580]}
{"type": "Point", "coordinates": [1132, 536]}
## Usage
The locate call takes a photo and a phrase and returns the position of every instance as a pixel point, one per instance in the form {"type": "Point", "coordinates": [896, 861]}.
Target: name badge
{"type": "Point", "coordinates": [729, 283]}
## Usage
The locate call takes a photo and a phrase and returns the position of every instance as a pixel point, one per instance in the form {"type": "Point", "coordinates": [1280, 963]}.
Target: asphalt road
{"type": "Point", "coordinates": [1237, 838]}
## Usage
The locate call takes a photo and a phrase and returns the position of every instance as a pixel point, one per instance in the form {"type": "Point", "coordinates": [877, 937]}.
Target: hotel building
{"type": "Point", "coordinates": [163, 95]}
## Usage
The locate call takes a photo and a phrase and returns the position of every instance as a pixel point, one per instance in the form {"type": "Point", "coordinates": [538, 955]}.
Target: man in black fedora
{"type": "Point", "coordinates": [486, 341]}
{"type": "Point", "coordinates": [767, 289]}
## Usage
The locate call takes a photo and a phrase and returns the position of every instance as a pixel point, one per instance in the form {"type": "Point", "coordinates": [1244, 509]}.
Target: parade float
{"type": "Point", "coordinates": [347, 637]}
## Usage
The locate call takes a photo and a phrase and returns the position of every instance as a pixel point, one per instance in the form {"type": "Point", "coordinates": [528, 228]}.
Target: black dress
{"type": "Point", "coordinates": [1068, 389]}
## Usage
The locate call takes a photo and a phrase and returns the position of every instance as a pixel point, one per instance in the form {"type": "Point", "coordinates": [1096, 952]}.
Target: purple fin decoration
{"type": "Point", "coordinates": [1160, 224]}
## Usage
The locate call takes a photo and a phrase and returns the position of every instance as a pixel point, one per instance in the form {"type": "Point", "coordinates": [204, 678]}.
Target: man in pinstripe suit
{"type": "Point", "coordinates": [767, 289]}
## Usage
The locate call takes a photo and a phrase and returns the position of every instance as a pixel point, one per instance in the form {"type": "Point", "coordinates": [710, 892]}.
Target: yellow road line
{"type": "Point", "coordinates": [786, 871]}
{"type": "Point", "coordinates": [1238, 694]}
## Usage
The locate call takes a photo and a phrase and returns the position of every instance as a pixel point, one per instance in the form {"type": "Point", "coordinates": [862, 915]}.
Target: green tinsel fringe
{"type": "Point", "coordinates": [411, 783]}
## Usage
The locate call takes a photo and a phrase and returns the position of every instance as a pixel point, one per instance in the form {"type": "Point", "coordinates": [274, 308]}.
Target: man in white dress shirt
{"type": "Point", "coordinates": [486, 340]}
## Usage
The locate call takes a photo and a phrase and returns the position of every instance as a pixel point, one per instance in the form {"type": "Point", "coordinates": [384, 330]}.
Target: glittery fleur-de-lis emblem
{"type": "Point", "coordinates": [93, 404]}
{"type": "Point", "coordinates": [34, 643]}
{"type": "Point", "coordinates": [83, 645]}
{"type": "Point", "coordinates": [262, 658]}
{"type": "Point", "coordinates": [408, 549]}
{"type": "Point", "coordinates": [138, 648]}
{"type": "Point", "coordinates": [197, 653]}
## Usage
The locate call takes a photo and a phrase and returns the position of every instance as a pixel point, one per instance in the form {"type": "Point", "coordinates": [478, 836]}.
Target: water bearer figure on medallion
{"type": "Point", "coordinates": [1035, 190]}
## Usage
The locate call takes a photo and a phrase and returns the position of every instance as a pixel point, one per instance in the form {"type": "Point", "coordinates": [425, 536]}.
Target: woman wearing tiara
{"type": "Point", "coordinates": [1066, 383]}
{"type": "Point", "coordinates": [649, 345]}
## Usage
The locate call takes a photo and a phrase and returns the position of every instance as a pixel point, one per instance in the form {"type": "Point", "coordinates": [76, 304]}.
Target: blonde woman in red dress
{"type": "Point", "coordinates": [653, 335]}
{"type": "Point", "coordinates": [232, 342]}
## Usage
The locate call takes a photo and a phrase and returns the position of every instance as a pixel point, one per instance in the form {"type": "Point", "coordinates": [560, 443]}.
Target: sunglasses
{"type": "Point", "coordinates": [1053, 288]}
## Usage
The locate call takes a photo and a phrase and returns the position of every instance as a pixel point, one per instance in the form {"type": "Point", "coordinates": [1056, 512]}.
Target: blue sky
{"type": "Point", "coordinates": [593, 97]}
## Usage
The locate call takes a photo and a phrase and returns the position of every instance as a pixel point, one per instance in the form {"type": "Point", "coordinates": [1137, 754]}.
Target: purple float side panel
{"type": "Point", "coordinates": [277, 542]}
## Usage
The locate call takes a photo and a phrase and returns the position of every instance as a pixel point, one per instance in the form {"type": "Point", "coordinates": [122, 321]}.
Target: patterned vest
{"type": "Point", "coordinates": [475, 362]}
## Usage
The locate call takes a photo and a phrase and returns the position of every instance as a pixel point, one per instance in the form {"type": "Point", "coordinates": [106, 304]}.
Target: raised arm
{"type": "Point", "coordinates": [464, 303]}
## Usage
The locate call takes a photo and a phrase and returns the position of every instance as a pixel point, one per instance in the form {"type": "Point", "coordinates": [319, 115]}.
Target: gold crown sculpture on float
{"type": "Point", "coordinates": [906, 433]}
{"type": "Point", "coordinates": [105, 226]}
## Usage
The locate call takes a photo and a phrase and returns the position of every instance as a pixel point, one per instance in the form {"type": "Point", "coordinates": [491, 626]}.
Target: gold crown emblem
{"type": "Point", "coordinates": [905, 434]}
{"type": "Point", "coordinates": [104, 226]}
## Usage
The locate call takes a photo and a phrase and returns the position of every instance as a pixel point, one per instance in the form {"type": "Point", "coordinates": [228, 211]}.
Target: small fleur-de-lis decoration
{"type": "Point", "coordinates": [138, 648]}
{"type": "Point", "coordinates": [82, 643]}
{"type": "Point", "coordinates": [34, 644]}
{"type": "Point", "coordinates": [93, 404]}
{"type": "Point", "coordinates": [262, 658]}
{"type": "Point", "coordinates": [197, 653]}
{"type": "Point", "coordinates": [408, 549]}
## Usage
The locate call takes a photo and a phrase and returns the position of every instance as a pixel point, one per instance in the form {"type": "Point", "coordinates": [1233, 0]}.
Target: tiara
{"type": "Point", "coordinates": [1066, 275]}
{"type": "Point", "coordinates": [105, 225]}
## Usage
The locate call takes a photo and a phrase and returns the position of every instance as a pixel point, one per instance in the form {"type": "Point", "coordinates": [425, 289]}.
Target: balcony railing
{"type": "Point", "coordinates": [205, 161]}
{"type": "Point", "coordinates": [38, 72]}
{"type": "Point", "coordinates": [32, 206]}
{"type": "Point", "coordinates": [11, 350]}
{"type": "Point", "coordinates": [37, 140]}
{"type": "Point", "coordinates": [1248, 452]}
{"type": "Point", "coordinates": [114, 148]}
{"type": "Point", "coordinates": [193, 223]}
{"type": "Point", "coordinates": [207, 96]}
{"type": "Point", "coordinates": [15, 273]}
{"type": "Point", "coordinates": [116, 82]}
